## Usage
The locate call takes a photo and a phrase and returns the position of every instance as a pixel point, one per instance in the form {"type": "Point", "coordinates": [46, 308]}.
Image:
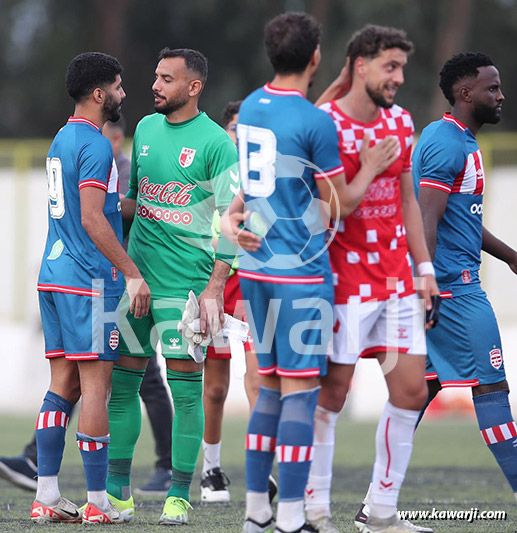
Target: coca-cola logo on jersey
{"type": "Point", "coordinates": [380, 189]}
{"type": "Point", "coordinates": [173, 192]}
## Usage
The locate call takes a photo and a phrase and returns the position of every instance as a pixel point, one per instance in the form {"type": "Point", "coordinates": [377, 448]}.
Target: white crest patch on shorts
{"type": "Point", "coordinates": [187, 157]}
{"type": "Point", "coordinates": [496, 359]}
{"type": "Point", "coordinates": [114, 338]}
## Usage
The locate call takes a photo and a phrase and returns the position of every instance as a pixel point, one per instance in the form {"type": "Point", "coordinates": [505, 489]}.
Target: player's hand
{"type": "Point", "coordinates": [211, 310]}
{"type": "Point", "coordinates": [233, 230]}
{"type": "Point", "coordinates": [344, 80]}
{"type": "Point", "coordinates": [139, 296]}
{"type": "Point", "coordinates": [428, 287]}
{"type": "Point", "coordinates": [379, 157]}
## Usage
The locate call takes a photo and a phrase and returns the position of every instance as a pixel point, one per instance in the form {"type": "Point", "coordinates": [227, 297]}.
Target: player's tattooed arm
{"type": "Point", "coordinates": [498, 249]}
{"type": "Point", "coordinates": [211, 301]}
{"type": "Point", "coordinates": [339, 87]}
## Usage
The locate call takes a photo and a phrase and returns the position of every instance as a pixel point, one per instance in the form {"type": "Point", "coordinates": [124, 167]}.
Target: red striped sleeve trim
{"type": "Point", "coordinates": [499, 433]}
{"type": "Point", "coordinates": [51, 419]}
{"type": "Point", "coordinates": [54, 353]}
{"type": "Point", "coordinates": [46, 287]}
{"type": "Point", "coordinates": [81, 356]}
{"type": "Point", "coordinates": [306, 373]}
{"type": "Point", "coordinates": [431, 375]}
{"type": "Point", "coordinates": [268, 371]}
{"type": "Point", "coordinates": [305, 280]}
{"type": "Point", "coordinates": [282, 92]}
{"type": "Point", "coordinates": [294, 454]}
{"type": "Point", "coordinates": [260, 443]}
{"type": "Point", "coordinates": [93, 183]}
{"type": "Point", "coordinates": [446, 295]}
{"type": "Point", "coordinates": [435, 185]}
{"type": "Point", "coordinates": [329, 173]}
{"type": "Point", "coordinates": [82, 120]}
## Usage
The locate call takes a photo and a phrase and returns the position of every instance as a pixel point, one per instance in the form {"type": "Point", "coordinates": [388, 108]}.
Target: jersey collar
{"type": "Point", "coordinates": [82, 120]}
{"type": "Point", "coordinates": [448, 117]}
{"type": "Point", "coordinates": [282, 92]}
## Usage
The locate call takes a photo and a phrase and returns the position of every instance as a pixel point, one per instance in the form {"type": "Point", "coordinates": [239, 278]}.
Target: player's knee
{"type": "Point", "coordinates": [501, 386]}
{"type": "Point", "coordinates": [215, 393]}
{"type": "Point", "coordinates": [333, 397]}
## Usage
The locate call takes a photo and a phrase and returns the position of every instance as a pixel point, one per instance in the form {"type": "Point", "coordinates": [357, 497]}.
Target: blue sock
{"type": "Point", "coordinates": [50, 433]}
{"type": "Point", "coordinates": [261, 439]}
{"type": "Point", "coordinates": [294, 446]}
{"type": "Point", "coordinates": [499, 431]}
{"type": "Point", "coordinates": [94, 451]}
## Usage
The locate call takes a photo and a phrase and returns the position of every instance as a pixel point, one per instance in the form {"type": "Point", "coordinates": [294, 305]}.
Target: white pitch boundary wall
{"type": "Point", "coordinates": [24, 376]}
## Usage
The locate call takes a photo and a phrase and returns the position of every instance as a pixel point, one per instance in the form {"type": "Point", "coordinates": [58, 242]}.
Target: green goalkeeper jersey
{"type": "Point", "coordinates": [180, 174]}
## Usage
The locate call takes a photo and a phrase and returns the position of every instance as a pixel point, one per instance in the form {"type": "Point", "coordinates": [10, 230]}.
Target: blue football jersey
{"type": "Point", "coordinates": [80, 156]}
{"type": "Point", "coordinates": [447, 158]}
{"type": "Point", "coordinates": [285, 145]}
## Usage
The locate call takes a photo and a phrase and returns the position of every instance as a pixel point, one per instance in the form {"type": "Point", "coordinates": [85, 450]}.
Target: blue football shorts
{"type": "Point", "coordinates": [80, 328]}
{"type": "Point", "coordinates": [291, 326]}
{"type": "Point", "coordinates": [464, 350]}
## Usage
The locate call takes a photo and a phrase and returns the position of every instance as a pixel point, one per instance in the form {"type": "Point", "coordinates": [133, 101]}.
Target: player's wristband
{"type": "Point", "coordinates": [425, 268]}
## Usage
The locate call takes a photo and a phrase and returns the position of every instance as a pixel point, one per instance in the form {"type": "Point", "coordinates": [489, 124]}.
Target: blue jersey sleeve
{"type": "Point", "coordinates": [94, 164]}
{"type": "Point", "coordinates": [440, 160]}
{"type": "Point", "coordinates": [324, 146]}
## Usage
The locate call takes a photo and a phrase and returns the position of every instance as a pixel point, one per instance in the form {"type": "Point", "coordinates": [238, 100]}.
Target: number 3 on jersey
{"type": "Point", "coordinates": [56, 197]}
{"type": "Point", "coordinates": [261, 161]}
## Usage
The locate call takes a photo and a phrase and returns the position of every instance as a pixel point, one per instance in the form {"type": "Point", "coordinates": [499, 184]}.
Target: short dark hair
{"type": "Point", "coordinates": [89, 71]}
{"type": "Point", "coordinates": [291, 39]}
{"type": "Point", "coordinates": [194, 60]}
{"type": "Point", "coordinates": [459, 67]}
{"type": "Point", "coordinates": [371, 40]}
{"type": "Point", "coordinates": [229, 111]}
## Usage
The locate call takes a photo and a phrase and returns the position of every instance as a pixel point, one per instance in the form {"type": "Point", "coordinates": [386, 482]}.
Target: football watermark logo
{"type": "Point", "coordinates": [286, 212]}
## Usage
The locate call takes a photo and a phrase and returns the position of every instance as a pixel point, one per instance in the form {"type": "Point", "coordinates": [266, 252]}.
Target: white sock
{"type": "Point", "coordinates": [211, 455]}
{"type": "Point", "coordinates": [393, 446]}
{"type": "Point", "coordinates": [258, 507]}
{"type": "Point", "coordinates": [48, 490]}
{"type": "Point", "coordinates": [99, 498]}
{"type": "Point", "coordinates": [317, 492]}
{"type": "Point", "coordinates": [289, 515]}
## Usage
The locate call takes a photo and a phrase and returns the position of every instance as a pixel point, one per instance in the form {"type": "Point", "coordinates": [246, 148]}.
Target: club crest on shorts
{"type": "Point", "coordinates": [114, 338]}
{"type": "Point", "coordinates": [496, 359]}
{"type": "Point", "coordinates": [187, 157]}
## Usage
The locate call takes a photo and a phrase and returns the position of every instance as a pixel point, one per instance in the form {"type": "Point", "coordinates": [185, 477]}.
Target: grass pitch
{"type": "Point", "coordinates": [451, 469]}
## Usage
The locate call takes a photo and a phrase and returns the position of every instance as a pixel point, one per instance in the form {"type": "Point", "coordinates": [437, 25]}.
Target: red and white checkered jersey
{"type": "Point", "coordinates": [369, 254]}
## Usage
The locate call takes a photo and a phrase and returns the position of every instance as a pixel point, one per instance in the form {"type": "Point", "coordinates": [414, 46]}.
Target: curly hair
{"type": "Point", "coordinates": [89, 71]}
{"type": "Point", "coordinates": [371, 40]}
{"type": "Point", "coordinates": [459, 67]}
{"type": "Point", "coordinates": [291, 39]}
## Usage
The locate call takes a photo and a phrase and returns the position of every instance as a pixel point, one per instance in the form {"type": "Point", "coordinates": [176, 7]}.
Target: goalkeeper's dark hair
{"type": "Point", "coordinates": [459, 67]}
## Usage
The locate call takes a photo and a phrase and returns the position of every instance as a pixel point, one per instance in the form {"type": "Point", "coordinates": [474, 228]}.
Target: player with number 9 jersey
{"type": "Point", "coordinates": [80, 156]}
